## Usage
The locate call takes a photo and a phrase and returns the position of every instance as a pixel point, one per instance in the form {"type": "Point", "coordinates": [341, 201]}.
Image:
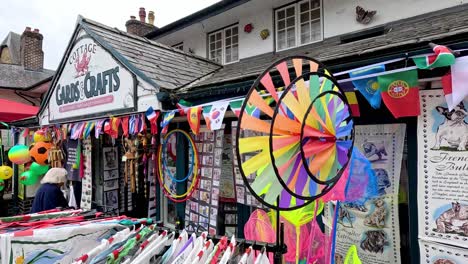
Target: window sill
{"type": "Point", "coordinates": [298, 46]}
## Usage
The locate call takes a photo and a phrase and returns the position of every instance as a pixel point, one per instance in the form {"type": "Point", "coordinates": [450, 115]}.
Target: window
{"type": "Point", "coordinates": [223, 45]}
{"type": "Point", "coordinates": [298, 24]}
{"type": "Point", "coordinates": [179, 46]}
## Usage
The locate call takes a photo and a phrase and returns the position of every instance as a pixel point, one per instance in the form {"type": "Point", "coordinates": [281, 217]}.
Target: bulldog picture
{"type": "Point", "coordinates": [453, 132]}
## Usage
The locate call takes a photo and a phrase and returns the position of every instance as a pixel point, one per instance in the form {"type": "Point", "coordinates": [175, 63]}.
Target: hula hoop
{"type": "Point", "coordinates": [193, 169]}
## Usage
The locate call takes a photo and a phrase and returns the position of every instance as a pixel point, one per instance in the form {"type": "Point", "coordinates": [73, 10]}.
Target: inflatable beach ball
{"type": "Point", "coordinates": [41, 136]}
{"type": "Point", "coordinates": [19, 154]}
{"type": "Point", "coordinates": [6, 172]}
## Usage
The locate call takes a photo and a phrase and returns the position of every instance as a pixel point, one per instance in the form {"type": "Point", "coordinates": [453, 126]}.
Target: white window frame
{"type": "Point", "coordinates": [297, 24]}
{"type": "Point", "coordinates": [164, 211]}
{"type": "Point", "coordinates": [223, 43]}
{"type": "Point", "coordinates": [179, 46]}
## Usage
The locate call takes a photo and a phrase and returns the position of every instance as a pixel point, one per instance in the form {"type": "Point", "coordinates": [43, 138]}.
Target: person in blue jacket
{"type": "Point", "coordinates": [49, 196]}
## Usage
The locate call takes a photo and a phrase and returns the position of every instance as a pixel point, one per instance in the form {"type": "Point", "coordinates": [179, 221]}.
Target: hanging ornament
{"type": "Point", "coordinates": [6, 172]}
{"type": "Point", "coordinates": [248, 28]}
{"type": "Point", "coordinates": [19, 154]}
{"type": "Point", "coordinates": [264, 34]}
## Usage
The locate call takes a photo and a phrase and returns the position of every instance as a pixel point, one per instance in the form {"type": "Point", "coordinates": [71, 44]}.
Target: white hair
{"type": "Point", "coordinates": [55, 175]}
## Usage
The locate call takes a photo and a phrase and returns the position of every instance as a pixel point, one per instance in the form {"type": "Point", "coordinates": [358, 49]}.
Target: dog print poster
{"type": "Point", "coordinates": [435, 253]}
{"type": "Point", "coordinates": [373, 225]}
{"type": "Point", "coordinates": [443, 170]}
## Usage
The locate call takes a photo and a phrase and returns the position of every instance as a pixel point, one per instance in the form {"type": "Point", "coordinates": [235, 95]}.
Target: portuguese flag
{"type": "Point", "coordinates": [442, 57]}
{"type": "Point", "coordinates": [400, 93]}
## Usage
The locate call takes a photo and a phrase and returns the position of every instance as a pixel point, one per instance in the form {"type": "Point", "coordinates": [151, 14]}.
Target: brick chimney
{"type": "Point", "coordinates": [140, 27]}
{"type": "Point", "coordinates": [32, 56]}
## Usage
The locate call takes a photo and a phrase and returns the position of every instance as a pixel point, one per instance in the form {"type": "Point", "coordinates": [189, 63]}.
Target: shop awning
{"type": "Point", "coordinates": [12, 111]}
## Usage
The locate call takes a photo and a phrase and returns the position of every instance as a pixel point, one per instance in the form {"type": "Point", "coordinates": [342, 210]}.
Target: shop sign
{"type": "Point", "coordinates": [92, 83]}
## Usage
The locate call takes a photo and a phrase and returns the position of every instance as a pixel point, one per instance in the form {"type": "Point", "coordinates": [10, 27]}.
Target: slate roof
{"type": "Point", "coordinates": [161, 65]}
{"type": "Point", "coordinates": [420, 29]}
{"type": "Point", "coordinates": [16, 77]}
{"type": "Point", "coordinates": [13, 42]}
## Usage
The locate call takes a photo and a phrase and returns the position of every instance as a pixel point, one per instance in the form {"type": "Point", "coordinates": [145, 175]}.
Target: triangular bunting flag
{"type": "Point", "coordinates": [459, 80]}
{"type": "Point", "coordinates": [193, 117]}
{"type": "Point", "coordinates": [132, 125]}
{"type": "Point", "coordinates": [236, 106]}
{"type": "Point", "coordinates": [98, 128]}
{"type": "Point", "coordinates": [142, 124]}
{"type": "Point", "coordinates": [166, 120]}
{"type": "Point", "coordinates": [216, 116]}
{"type": "Point", "coordinates": [206, 115]}
{"type": "Point", "coordinates": [124, 124]}
{"type": "Point", "coordinates": [443, 57]}
{"type": "Point", "coordinates": [25, 132]}
{"type": "Point", "coordinates": [369, 87]}
{"type": "Point", "coordinates": [400, 93]}
{"type": "Point", "coordinates": [153, 119]}
{"type": "Point", "coordinates": [183, 106]}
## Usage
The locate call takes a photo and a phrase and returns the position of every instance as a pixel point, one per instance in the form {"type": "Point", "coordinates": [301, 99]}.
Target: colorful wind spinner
{"type": "Point", "coordinates": [296, 146]}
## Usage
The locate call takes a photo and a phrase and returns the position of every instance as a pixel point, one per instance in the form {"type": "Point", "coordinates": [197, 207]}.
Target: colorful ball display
{"type": "Point", "coordinates": [27, 178]}
{"type": "Point", "coordinates": [2, 185]}
{"type": "Point", "coordinates": [41, 136]}
{"type": "Point", "coordinates": [19, 154]}
{"type": "Point", "coordinates": [6, 172]}
{"type": "Point", "coordinates": [38, 169]}
{"type": "Point", "coordinates": [39, 152]}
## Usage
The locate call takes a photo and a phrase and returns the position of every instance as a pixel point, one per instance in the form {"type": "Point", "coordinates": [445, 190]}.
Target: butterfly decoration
{"type": "Point", "coordinates": [364, 16]}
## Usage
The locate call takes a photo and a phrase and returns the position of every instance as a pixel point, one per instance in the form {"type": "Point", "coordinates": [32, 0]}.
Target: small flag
{"type": "Point", "coordinates": [142, 124]}
{"type": "Point", "coordinates": [369, 87]}
{"type": "Point", "coordinates": [124, 124]}
{"type": "Point", "coordinates": [88, 128]}
{"type": "Point", "coordinates": [400, 93]}
{"type": "Point", "coordinates": [206, 115]}
{"type": "Point", "coordinates": [153, 119]}
{"type": "Point", "coordinates": [459, 81]}
{"type": "Point", "coordinates": [236, 106]}
{"type": "Point", "coordinates": [98, 128]}
{"type": "Point", "coordinates": [77, 130]}
{"type": "Point", "coordinates": [442, 57]}
{"type": "Point", "coordinates": [353, 103]}
{"type": "Point", "coordinates": [132, 125]}
{"type": "Point", "coordinates": [183, 106]}
{"type": "Point", "coordinates": [216, 116]}
{"type": "Point", "coordinates": [193, 117]}
{"type": "Point", "coordinates": [25, 132]}
{"type": "Point", "coordinates": [166, 120]}
{"type": "Point", "coordinates": [115, 124]}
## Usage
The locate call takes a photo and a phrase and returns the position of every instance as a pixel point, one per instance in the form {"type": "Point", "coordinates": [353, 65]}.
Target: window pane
{"type": "Point", "coordinates": [304, 17]}
{"type": "Point", "coordinates": [281, 39]}
{"type": "Point", "coordinates": [314, 14]}
{"type": "Point", "coordinates": [315, 3]}
{"type": "Point", "coordinates": [305, 33]}
{"type": "Point", "coordinates": [218, 36]}
{"type": "Point", "coordinates": [235, 39]}
{"type": "Point", "coordinates": [228, 41]}
{"type": "Point", "coordinates": [281, 24]}
{"type": "Point", "coordinates": [281, 14]}
{"type": "Point", "coordinates": [228, 32]}
{"type": "Point", "coordinates": [212, 38]}
{"type": "Point", "coordinates": [234, 30]}
{"type": "Point", "coordinates": [315, 31]}
{"type": "Point", "coordinates": [218, 44]}
{"type": "Point", "coordinates": [235, 53]}
{"type": "Point", "coordinates": [291, 37]}
{"type": "Point", "coordinates": [290, 21]}
{"type": "Point", "coordinates": [305, 6]}
{"type": "Point", "coordinates": [212, 46]}
{"type": "Point", "coordinates": [290, 11]}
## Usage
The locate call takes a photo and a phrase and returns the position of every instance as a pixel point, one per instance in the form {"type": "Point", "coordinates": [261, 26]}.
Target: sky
{"type": "Point", "coordinates": [56, 19]}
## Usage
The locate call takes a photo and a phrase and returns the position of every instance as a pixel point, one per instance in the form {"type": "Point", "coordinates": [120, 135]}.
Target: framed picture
{"type": "Point", "coordinates": [111, 185]}
{"type": "Point", "coordinates": [111, 175]}
{"type": "Point", "coordinates": [110, 158]}
{"type": "Point", "coordinates": [111, 199]}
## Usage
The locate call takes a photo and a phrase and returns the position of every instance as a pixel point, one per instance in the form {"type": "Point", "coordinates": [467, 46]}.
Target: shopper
{"type": "Point", "coordinates": [49, 196]}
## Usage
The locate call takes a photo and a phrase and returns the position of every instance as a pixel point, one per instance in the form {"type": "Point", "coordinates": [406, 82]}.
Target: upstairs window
{"type": "Point", "coordinates": [179, 46]}
{"type": "Point", "coordinates": [223, 45]}
{"type": "Point", "coordinates": [298, 24]}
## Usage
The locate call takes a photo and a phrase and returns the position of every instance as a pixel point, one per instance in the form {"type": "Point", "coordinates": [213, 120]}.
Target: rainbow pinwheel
{"type": "Point", "coordinates": [296, 146]}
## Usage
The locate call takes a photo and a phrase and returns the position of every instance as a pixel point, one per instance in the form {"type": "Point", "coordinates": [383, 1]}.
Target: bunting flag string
{"type": "Point", "coordinates": [166, 120]}
{"type": "Point", "coordinates": [98, 128]}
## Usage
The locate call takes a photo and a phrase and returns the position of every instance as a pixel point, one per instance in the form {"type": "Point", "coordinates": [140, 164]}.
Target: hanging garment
{"type": "Point", "coordinates": [179, 244]}
{"type": "Point", "coordinates": [248, 257]}
{"type": "Point", "coordinates": [154, 249]}
{"type": "Point", "coordinates": [230, 248]}
{"type": "Point", "coordinates": [185, 251]}
{"type": "Point", "coordinates": [196, 248]}
{"type": "Point", "coordinates": [204, 253]}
